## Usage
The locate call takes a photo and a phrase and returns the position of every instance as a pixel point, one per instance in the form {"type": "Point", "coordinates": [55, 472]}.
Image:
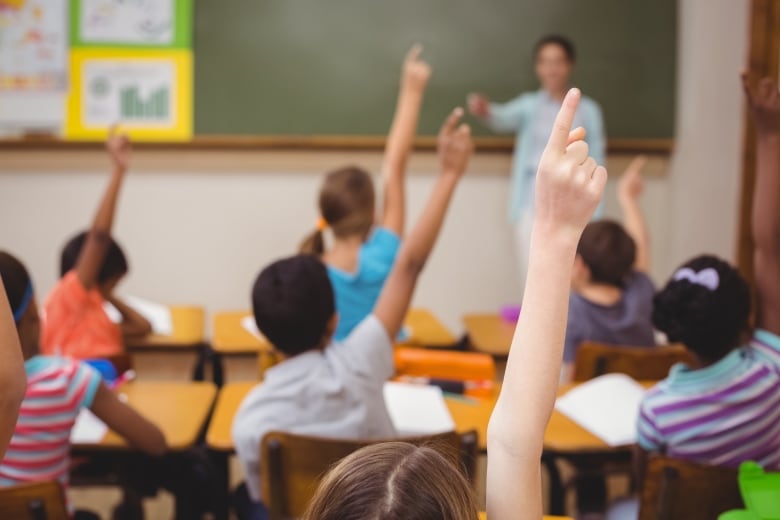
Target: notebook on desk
{"type": "Point", "coordinates": [607, 407]}
{"type": "Point", "coordinates": [417, 409]}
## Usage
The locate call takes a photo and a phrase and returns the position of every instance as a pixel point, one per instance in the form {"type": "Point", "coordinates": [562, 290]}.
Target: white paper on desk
{"type": "Point", "coordinates": [417, 409]}
{"type": "Point", "coordinates": [607, 406]}
{"type": "Point", "coordinates": [249, 324]}
{"type": "Point", "coordinates": [88, 429]}
{"type": "Point", "coordinates": [157, 314]}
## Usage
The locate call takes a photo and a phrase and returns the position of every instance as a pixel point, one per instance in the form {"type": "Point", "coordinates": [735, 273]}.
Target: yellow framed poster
{"type": "Point", "coordinates": [147, 92]}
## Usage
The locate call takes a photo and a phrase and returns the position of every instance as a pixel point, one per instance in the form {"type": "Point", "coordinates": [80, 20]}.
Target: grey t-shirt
{"type": "Point", "coordinates": [627, 322]}
{"type": "Point", "coordinates": [332, 393]}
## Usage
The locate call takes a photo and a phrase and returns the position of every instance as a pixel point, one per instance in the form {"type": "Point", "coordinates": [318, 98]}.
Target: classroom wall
{"type": "Point", "coordinates": [200, 225]}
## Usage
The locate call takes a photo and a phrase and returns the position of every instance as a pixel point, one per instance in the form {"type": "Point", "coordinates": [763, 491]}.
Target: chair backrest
{"type": "Point", "coordinates": [679, 490]}
{"type": "Point", "coordinates": [444, 364]}
{"type": "Point", "coordinates": [36, 501]}
{"type": "Point", "coordinates": [641, 363]}
{"type": "Point", "coordinates": [292, 465]}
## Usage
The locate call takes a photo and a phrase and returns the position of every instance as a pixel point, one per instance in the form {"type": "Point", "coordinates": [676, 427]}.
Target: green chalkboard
{"type": "Point", "coordinates": [330, 67]}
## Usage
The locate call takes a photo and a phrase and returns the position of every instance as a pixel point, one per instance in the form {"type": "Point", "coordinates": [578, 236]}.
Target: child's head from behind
{"type": "Point", "coordinates": [705, 306]}
{"type": "Point", "coordinates": [21, 297]}
{"type": "Point", "coordinates": [114, 265]}
{"type": "Point", "coordinates": [346, 204]}
{"type": "Point", "coordinates": [394, 480]}
{"type": "Point", "coordinates": [605, 255]}
{"type": "Point", "coordinates": [293, 304]}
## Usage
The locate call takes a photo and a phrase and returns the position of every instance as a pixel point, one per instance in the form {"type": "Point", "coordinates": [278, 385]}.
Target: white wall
{"type": "Point", "coordinates": [198, 226]}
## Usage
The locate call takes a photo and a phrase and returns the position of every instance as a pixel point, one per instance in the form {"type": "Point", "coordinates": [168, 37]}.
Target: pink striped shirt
{"type": "Point", "coordinates": [722, 414]}
{"type": "Point", "coordinates": [57, 389]}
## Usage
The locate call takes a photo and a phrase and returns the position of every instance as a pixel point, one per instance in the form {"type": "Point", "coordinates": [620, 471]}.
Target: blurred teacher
{"type": "Point", "coordinates": [530, 116]}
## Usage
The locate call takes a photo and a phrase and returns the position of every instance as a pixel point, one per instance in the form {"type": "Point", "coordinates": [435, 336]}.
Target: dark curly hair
{"type": "Point", "coordinates": [709, 323]}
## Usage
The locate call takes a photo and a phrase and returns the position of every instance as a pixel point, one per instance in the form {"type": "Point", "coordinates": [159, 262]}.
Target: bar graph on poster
{"type": "Point", "coordinates": [149, 94]}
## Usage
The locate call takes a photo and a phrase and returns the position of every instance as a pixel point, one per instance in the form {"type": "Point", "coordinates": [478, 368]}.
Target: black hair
{"type": "Point", "coordinates": [114, 265]}
{"type": "Point", "coordinates": [608, 251]}
{"type": "Point", "coordinates": [293, 302]}
{"type": "Point", "coordinates": [708, 322]}
{"type": "Point", "coordinates": [16, 279]}
{"type": "Point", "coordinates": [561, 41]}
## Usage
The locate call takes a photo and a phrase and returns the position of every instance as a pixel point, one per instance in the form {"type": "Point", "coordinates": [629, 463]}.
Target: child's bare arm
{"type": "Point", "coordinates": [764, 103]}
{"type": "Point", "coordinates": [414, 78]}
{"type": "Point", "coordinates": [99, 237]}
{"type": "Point", "coordinates": [13, 382]}
{"type": "Point", "coordinates": [133, 324]}
{"type": "Point", "coordinates": [128, 423]}
{"type": "Point", "coordinates": [455, 149]}
{"type": "Point", "coordinates": [630, 190]}
{"type": "Point", "coordinates": [569, 187]}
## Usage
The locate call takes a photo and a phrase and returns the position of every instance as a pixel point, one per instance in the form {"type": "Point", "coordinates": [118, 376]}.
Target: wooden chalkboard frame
{"type": "Point", "coordinates": [314, 142]}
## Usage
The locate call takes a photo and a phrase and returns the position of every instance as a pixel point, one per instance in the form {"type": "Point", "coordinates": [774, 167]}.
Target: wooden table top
{"type": "Point", "coordinates": [483, 516]}
{"type": "Point", "coordinates": [489, 333]}
{"type": "Point", "coordinates": [230, 337]}
{"type": "Point", "coordinates": [562, 436]}
{"type": "Point", "coordinates": [425, 329]}
{"type": "Point", "coordinates": [188, 331]}
{"type": "Point", "coordinates": [180, 410]}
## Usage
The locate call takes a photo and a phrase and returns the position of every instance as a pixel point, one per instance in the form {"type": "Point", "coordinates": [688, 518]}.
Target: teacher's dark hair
{"type": "Point", "coordinates": [561, 41]}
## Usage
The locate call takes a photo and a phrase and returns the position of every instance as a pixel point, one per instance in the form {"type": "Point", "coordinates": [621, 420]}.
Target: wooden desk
{"type": "Point", "coordinates": [180, 410]}
{"type": "Point", "coordinates": [468, 414]}
{"type": "Point", "coordinates": [188, 332]}
{"type": "Point", "coordinates": [229, 337]}
{"type": "Point", "coordinates": [489, 333]}
{"type": "Point", "coordinates": [425, 330]}
{"type": "Point", "coordinates": [483, 516]}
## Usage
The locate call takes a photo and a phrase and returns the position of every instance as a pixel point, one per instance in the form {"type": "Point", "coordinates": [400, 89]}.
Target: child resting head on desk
{"type": "Point", "coordinates": [92, 265]}
{"type": "Point", "coordinates": [57, 389]}
{"type": "Point", "coordinates": [364, 249]}
{"type": "Point", "coordinates": [612, 295]}
{"type": "Point", "coordinates": [335, 388]}
{"type": "Point", "coordinates": [397, 480]}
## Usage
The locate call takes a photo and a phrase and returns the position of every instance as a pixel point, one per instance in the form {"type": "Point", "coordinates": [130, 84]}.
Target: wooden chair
{"type": "Point", "coordinates": [292, 465]}
{"type": "Point", "coordinates": [596, 359]}
{"type": "Point", "coordinates": [36, 501]}
{"type": "Point", "coordinates": [680, 490]}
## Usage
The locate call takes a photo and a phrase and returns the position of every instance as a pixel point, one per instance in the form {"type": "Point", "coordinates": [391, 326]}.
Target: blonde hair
{"type": "Point", "coordinates": [346, 203]}
{"type": "Point", "coordinates": [394, 481]}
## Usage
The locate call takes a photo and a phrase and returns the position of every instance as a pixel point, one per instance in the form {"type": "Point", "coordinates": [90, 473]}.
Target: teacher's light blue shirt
{"type": "Point", "coordinates": [531, 117]}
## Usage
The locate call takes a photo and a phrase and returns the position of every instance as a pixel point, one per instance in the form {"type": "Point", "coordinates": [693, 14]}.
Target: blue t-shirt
{"type": "Point", "coordinates": [627, 322]}
{"type": "Point", "coordinates": [356, 293]}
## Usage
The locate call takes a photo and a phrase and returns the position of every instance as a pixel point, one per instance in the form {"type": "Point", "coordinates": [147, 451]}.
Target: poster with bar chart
{"type": "Point", "coordinates": [148, 93]}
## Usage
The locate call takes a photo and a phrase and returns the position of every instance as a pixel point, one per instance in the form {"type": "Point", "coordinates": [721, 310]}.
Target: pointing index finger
{"type": "Point", "coordinates": [452, 120]}
{"type": "Point", "coordinates": [559, 137]}
{"type": "Point", "coordinates": [414, 52]}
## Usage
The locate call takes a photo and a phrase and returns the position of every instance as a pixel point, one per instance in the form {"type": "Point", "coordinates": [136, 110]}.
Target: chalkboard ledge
{"type": "Point", "coordinates": [314, 142]}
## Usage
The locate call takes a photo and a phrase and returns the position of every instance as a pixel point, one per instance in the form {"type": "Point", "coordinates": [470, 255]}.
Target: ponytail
{"type": "Point", "coordinates": [314, 244]}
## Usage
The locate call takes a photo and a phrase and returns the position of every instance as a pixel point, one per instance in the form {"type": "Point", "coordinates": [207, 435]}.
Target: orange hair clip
{"type": "Point", "coordinates": [322, 224]}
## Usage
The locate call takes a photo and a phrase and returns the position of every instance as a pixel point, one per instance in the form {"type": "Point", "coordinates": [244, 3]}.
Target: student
{"type": "Point", "coordinates": [397, 480]}
{"type": "Point", "coordinates": [325, 387]}
{"type": "Point", "coordinates": [57, 389]}
{"type": "Point", "coordinates": [92, 265]}
{"type": "Point", "coordinates": [725, 408]}
{"type": "Point", "coordinates": [12, 379]}
{"type": "Point", "coordinates": [530, 116]}
{"type": "Point", "coordinates": [612, 295]}
{"type": "Point", "coordinates": [363, 253]}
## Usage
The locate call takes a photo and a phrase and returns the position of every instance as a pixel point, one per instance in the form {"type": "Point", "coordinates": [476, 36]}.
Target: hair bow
{"type": "Point", "coordinates": [708, 277]}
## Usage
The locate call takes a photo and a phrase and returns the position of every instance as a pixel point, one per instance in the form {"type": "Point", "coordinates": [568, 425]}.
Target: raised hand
{"type": "Point", "coordinates": [118, 146]}
{"type": "Point", "coordinates": [455, 145]}
{"type": "Point", "coordinates": [416, 72]}
{"type": "Point", "coordinates": [764, 103]}
{"type": "Point", "coordinates": [631, 184]}
{"type": "Point", "coordinates": [478, 105]}
{"type": "Point", "coordinates": [569, 183]}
